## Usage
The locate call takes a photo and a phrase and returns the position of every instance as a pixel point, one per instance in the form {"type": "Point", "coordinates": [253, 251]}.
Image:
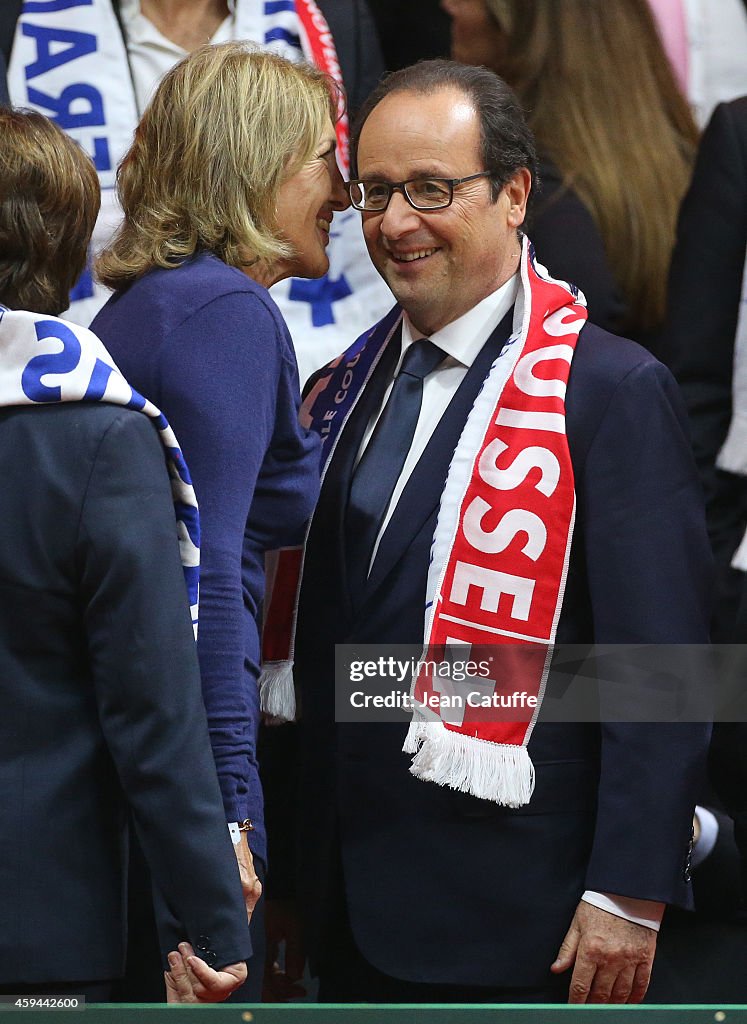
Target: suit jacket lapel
{"type": "Point", "coordinates": [423, 490]}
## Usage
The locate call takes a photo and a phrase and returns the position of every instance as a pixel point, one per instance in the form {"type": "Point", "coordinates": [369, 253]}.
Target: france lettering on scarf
{"type": "Point", "coordinates": [45, 360]}
{"type": "Point", "coordinates": [59, 53]}
{"type": "Point", "coordinates": [70, 63]}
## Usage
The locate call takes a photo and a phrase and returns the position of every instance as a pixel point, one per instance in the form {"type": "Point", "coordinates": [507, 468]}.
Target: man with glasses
{"type": "Point", "coordinates": [465, 436]}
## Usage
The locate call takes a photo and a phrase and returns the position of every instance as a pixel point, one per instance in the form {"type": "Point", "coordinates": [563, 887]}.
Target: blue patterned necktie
{"type": "Point", "coordinates": [381, 464]}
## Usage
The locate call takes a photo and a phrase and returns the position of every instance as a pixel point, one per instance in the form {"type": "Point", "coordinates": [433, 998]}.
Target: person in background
{"type": "Point", "coordinates": [99, 680]}
{"type": "Point", "coordinates": [231, 184]}
{"type": "Point", "coordinates": [706, 347]}
{"type": "Point", "coordinates": [704, 342]}
{"type": "Point", "coordinates": [410, 32]}
{"type": "Point", "coordinates": [718, 928]}
{"type": "Point", "coordinates": [93, 67]}
{"type": "Point", "coordinates": [610, 129]}
{"type": "Point", "coordinates": [706, 42]}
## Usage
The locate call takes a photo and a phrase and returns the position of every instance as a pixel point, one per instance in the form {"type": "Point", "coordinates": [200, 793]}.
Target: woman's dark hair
{"type": "Point", "coordinates": [604, 106]}
{"type": "Point", "coordinates": [49, 201]}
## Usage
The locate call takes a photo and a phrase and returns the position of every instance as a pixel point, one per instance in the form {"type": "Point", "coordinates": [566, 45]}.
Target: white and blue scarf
{"type": "Point", "coordinates": [69, 61]}
{"type": "Point", "coordinates": [46, 360]}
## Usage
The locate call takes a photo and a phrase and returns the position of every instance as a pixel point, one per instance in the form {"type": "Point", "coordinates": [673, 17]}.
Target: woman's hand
{"type": "Point", "coordinates": [250, 883]}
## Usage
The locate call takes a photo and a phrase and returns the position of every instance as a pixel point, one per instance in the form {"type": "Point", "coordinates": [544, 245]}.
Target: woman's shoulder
{"type": "Point", "coordinates": [174, 303]}
{"type": "Point", "coordinates": [207, 290]}
{"type": "Point", "coordinates": [211, 288]}
{"type": "Point", "coordinates": [174, 294]}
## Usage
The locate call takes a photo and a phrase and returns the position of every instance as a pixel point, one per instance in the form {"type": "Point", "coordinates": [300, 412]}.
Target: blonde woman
{"type": "Point", "coordinates": [616, 141]}
{"type": "Point", "coordinates": [230, 185]}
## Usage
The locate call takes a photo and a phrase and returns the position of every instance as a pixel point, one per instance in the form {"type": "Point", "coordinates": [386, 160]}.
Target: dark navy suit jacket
{"type": "Point", "coordinates": [442, 887]}
{"type": "Point", "coordinates": [101, 704]}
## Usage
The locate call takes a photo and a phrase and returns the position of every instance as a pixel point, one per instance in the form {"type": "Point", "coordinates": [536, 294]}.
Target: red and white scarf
{"type": "Point", "coordinates": [500, 550]}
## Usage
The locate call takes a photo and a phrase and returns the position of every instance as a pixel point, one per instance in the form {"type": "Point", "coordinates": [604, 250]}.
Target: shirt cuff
{"type": "Point", "coordinates": [708, 835]}
{"type": "Point", "coordinates": [644, 912]}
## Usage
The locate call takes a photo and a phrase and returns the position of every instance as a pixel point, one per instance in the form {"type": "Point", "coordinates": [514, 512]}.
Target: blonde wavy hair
{"type": "Point", "coordinates": [226, 126]}
{"type": "Point", "coordinates": [604, 105]}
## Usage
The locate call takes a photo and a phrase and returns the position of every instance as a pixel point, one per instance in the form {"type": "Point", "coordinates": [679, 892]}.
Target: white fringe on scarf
{"type": "Point", "coordinates": [499, 772]}
{"type": "Point", "coordinates": [277, 693]}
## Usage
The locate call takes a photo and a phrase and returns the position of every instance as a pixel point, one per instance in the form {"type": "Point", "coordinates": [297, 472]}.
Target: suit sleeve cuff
{"type": "Point", "coordinates": [644, 912]}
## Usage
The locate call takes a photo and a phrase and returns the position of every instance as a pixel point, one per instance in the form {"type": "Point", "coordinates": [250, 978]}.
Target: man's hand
{"type": "Point", "coordinates": [190, 980]}
{"type": "Point", "coordinates": [250, 883]}
{"type": "Point", "coordinates": [613, 957]}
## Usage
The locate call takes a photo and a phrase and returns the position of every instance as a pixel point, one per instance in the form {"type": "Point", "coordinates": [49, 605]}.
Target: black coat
{"type": "Point", "coordinates": [705, 287]}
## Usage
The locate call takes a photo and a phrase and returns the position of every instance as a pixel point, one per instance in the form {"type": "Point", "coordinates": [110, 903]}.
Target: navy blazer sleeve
{"type": "Point", "coordinates": [649, 573]}
{"type": "Point", "coordinates": [249, 460]}
{"type": "Point", "coordinates": [146, 678]}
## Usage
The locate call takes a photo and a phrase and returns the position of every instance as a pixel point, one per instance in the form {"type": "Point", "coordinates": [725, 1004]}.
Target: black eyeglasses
{"type": "Point", "coordinates": [420, 193]}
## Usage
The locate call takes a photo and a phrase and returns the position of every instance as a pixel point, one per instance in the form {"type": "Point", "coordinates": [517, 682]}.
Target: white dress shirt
{"type": "Point", "coordinates": [461, 341]}
{"type": "Point", "coordinates": [151, 54]}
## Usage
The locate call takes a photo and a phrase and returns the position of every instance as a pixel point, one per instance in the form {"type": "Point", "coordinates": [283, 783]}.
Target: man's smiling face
{"type": "Point", "coordinates": [438, 263]}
